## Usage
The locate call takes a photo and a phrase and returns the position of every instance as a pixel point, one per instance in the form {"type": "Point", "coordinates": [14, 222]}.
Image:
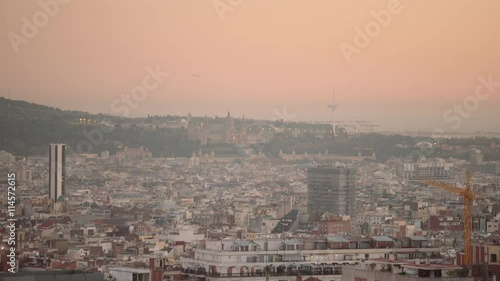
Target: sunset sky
{"type": "Point", "coordinates": [263, 55]}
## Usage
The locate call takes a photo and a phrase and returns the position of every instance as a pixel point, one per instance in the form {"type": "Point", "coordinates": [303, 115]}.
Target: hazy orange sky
{"type": "Point", "coordinates": [263, 55]}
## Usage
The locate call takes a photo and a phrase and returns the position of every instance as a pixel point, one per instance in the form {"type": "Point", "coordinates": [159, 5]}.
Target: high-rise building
{"type": "Point", "coordinates": [434, 169]}
{"type": "Point", "coordinates": [476, 157]}
{"type": "Point", "coordinates": [57, 163]}
{"type": "Point", "coordinates": [477, 164]}
{"type": "Point", "coordinates": [332, 190]}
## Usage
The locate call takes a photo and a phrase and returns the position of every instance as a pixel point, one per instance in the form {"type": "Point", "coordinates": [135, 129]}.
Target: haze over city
{"type": "Point", "coordinates": [249, 140]}
{"type": "Point", "coordinates": [260, 56]}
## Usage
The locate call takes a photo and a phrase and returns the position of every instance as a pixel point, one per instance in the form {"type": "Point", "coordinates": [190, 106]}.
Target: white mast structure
{"type": "Point", "coordinates": [333, 107]}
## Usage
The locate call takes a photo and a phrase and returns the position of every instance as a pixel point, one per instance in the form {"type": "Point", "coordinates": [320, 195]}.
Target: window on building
{"type": "Point", "coordinates": [493, 258]}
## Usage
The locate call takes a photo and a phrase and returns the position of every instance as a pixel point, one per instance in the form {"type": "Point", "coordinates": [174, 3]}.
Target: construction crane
{"type": "Point", "coordinates": [469, 197]}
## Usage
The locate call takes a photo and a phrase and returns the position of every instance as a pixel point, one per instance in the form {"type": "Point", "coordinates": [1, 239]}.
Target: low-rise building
{"type": "Point", "coordinates": [216, 259]}
{"type": "Point", "coordinates": [403, 270]}
{"type": "Point", "coordinates": [130, 274]}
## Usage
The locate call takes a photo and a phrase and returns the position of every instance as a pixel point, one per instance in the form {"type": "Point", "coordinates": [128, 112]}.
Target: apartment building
{"type": "Point", "coordinates": [434, 169]}
{"type": "Point", "coordinates": [332, 190]}
{"type": "Point", "coordinates": [282, 259]}
{"type": "Point", "coordinates": [397, 270]}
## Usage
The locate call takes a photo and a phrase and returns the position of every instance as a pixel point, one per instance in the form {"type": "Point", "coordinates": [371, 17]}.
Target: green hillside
{"type": "Point", "coordinates": [27, 129]}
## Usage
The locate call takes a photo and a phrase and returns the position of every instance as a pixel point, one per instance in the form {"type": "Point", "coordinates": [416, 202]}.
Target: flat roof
{"type": "Point", "coordinates": [431, 266]}
{"type": "Point", "coordinates": [130, 269]}
{"type": "Point", "coordinates": [418, 238]}
{"type": "Point", "coordinates": [292, 242]}
{"type": "Point", "coordinates": [382, 238]}
{"type": "Point", "coordinates": [337, 239]}
{"type": "Point", "coordinates": [244, 243]}
{"type": "Point", "coordinates": [399, 262]}
{"type": "Point", "coordinates": [411, 265]}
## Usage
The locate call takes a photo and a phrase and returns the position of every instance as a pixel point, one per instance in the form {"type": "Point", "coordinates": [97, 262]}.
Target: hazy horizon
{"type": "Point", "coordinates": [261, 58]}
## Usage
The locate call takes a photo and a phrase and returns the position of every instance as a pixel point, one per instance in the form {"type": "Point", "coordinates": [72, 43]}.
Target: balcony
{"type": "Point", "coordinates": [316, 251]}
{"type": "Point", "coordinates": [276, 272]}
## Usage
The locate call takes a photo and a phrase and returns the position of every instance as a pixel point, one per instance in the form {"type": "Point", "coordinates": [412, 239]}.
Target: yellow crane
{"type": "Point", "coordinates": [469, 197]}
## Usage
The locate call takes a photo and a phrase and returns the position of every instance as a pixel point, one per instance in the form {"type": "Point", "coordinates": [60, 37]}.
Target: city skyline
{"type": "Point", "coordinates": [230, 139]}
{"type": "Point", "coordinates": [347, 122]}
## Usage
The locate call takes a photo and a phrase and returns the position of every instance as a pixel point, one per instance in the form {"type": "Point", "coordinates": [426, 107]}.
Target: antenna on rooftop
{"type": "Point", "coordinates": [333, 107]}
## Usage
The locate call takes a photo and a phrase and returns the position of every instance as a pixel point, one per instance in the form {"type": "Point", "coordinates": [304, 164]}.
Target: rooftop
{"type": "Point", "coordinates": [336, 239]}
{"type": "Point", "coordinates": [418, 238]}
{"type": "Point", "coordinates": [431, 266]}
{"type": "Point", "coordinates": [382, 238]}
{"type": "Point", "coordinates": [130, 269]}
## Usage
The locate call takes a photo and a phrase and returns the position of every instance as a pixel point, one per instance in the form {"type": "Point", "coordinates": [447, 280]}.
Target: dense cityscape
{"type": "Point", "coordinates": [235, 140]}
{"type": "Point", "coordinates": [250, 214]}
